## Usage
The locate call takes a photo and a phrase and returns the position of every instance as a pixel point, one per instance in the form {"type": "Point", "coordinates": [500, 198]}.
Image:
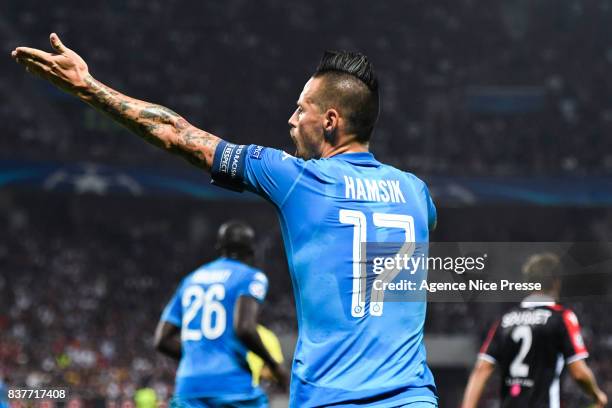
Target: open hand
{"type": "Point", "coordinates": [64, 68]}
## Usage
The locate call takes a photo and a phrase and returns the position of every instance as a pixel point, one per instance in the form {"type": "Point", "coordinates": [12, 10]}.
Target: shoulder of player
{"type": "Point", "coordinates": [258, 152]}
{"type": "Point", "coordinates": [256, 283]}
{"type": "Point", "coordinates": [410, 177]}
{"type": "Point", "coordinates": [568, 315]}
{"type": "Point", "coordinates": [187, 279]}
{"type": "Point", "coordinates": [243, 270]}
{"type": "Point", "coordinates": [563, 314]}
{"type": "Point", "coordinates": [558, 308]}
{"type": "Point", "coordinates": [418, 183]}
{"type": "Point", "coordinates": [258, 275]}
{"type": "Point", "coordinates": [206, 267]}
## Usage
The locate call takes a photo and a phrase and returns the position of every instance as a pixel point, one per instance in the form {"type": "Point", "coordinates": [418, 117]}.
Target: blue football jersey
{"type": "Point", "coordinates": [353, 347]}
{"type": "Point", "coordinates": [213, 361]}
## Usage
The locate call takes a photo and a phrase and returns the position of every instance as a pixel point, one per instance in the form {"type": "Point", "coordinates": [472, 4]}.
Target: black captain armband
{"type": "Point", "coordinates": [228, 166]}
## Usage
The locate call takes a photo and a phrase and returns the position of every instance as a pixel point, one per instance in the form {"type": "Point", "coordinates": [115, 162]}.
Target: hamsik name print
{"type": "Point", "coordinates": [373, 190]}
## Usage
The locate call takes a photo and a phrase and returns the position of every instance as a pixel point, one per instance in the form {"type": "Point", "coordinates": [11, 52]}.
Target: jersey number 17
{"type": "Point", "coordinates": [382, 220]}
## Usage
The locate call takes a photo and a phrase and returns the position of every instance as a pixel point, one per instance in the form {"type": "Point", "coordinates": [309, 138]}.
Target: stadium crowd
{"type": "Point", "coordinates": [503, 88]}
{"type": "Point", "coordinates": [84, 280]}
{"type": "Point", "coordinates": [80, 296]}
{"type": "Point", "coordinates": [506, 88]}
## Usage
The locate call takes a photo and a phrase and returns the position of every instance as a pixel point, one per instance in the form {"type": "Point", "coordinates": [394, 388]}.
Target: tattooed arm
{"type": "Point", "coordinates": [154, 123]}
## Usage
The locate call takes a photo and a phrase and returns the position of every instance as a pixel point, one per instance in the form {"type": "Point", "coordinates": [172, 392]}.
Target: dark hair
{"type": "Point", "coordinates": [236, 239]}
{"type": "Point", "coordinates": [351, 84]}
{"type": "Point", "coordinates": [351, 63]}
{"type": "Point", "coordinates": [542, 268]}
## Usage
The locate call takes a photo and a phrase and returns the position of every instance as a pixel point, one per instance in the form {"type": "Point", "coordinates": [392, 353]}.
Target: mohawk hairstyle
{"type": "Point", "coordinates": [352, 86]}
{"type": "Point", "coordinates": [352, 63]}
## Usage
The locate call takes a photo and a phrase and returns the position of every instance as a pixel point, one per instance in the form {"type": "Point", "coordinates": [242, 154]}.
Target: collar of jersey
{"type": "Point", "coordinates": [357, 157]}
{"type": "Point", "coordinates": [536, 300]}
{"type": "Point", "coordinates": [226, 259]}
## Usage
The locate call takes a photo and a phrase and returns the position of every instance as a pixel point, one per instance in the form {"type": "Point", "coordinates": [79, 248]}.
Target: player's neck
{"type": "Point", "coordinates": [350, 147]}
{"type": "Point", "coordinates": [541, 295]}
{"type": "Point", "coordinates": [244, 258]}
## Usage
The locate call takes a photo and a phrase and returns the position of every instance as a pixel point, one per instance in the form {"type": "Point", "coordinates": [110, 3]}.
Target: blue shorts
{"type": "Point", "coordinates": [419, 404]}
{"type": "Point", "coordinates": [219, 402]}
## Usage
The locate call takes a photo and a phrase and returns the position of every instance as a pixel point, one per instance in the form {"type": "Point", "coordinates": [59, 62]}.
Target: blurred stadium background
{"type": "Point", "coordinates": [504, 107]}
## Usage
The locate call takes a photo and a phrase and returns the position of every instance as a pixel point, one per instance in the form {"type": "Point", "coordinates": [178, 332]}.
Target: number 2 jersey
{"type": "Point", "coordinates": [531, 344]}
{"type": "Point", "coordinates": [213, 361]}
{"type": "Point", "coordinates": [350, 351]}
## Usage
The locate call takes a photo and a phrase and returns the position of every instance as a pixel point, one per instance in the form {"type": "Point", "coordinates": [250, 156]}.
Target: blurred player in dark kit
{"type": "Point", "coordinates": [531, 344]}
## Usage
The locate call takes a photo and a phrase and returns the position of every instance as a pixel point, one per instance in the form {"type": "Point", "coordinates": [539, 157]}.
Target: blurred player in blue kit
{"type": "Point", "coordinates": [332, 196]}
{"type": "Point", "coordinates": [211, 323]}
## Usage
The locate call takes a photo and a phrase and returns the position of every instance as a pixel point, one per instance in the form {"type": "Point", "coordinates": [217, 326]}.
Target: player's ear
{"type": "Point", "coordinates": [331, 120]}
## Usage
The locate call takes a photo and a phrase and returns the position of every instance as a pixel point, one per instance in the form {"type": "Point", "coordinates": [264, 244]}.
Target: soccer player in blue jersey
{"type": "Point", "coordinates": [354, 349]}
{"type": "Point", "coordinates": [210, 324]}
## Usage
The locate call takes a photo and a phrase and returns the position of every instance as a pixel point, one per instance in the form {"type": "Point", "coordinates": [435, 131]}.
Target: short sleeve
{"type": "Point", "coordinates": [173, 312]}
{"type": "Point", "coordinates": [572, 343]}
{"type": "Point", "coordinates": [256, 287]}
{"type": "Point", "coordinates": [490, 350]}
{"type": "Point", "coordinates": [432, 215]}
{"type": "Point", "coordinates": [268, 172]}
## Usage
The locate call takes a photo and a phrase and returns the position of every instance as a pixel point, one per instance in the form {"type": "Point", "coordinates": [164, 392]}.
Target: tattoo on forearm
{"type": "Point", "coordinates": [154, 123]}
{"type": "Point", "coordinates": [198, 142]}
{"type": "Point", "coordinates": [158, 112]}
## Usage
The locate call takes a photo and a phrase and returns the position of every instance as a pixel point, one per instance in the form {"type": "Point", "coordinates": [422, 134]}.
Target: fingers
{"type": "Point", "coordinates": [57, 44]}
{"type": "Point", "coordinates": [42, 56]}
{"type": "Point", "coordinates": [33, 66]}
{"type": "Point", "coordinates": [31, 53]}
{"type": "Point", "coordinates": [27, 59]}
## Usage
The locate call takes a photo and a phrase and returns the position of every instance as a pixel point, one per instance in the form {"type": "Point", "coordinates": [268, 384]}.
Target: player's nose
{"type": "Point", "coordinates": [293, 120]}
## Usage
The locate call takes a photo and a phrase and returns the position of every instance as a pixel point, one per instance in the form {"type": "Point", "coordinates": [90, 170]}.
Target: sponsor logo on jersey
{"type": "Point", "coordinates": [257, 289]}
{"type": "Point", "coordinates": [578, 340]}
{"type": "Point", "coordinates": [256, 153]}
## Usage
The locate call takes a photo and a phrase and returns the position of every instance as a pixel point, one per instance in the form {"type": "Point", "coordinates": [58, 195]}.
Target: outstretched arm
{"type": "Point", "coordinates": [476, 384]}
{"type": "Point", "coordinates": [155, 123]}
